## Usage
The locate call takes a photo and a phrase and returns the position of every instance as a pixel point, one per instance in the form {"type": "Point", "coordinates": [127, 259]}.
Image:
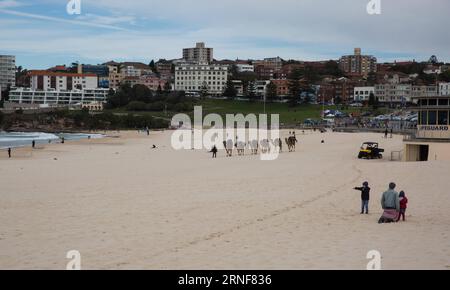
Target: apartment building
{"type": "Point", "coordinates": [362, 94]}
{"type": "Point", "coordinates": [61, 81]}
{"type": "Point", "coordinates": [245, 68]}
{"type": "Point", "coordinates": [358, 64]}
{"type": "Point", "coordinates": [259, 87]}
{"type": "Point", "coordinates": [393, 94]}
{"type": "Point", "coordinates": [282, 86]}
{"type": "Point", "coordinates": [197, 77]}
{"type": "Point", "coordinates": [444, 89]}
{"type": "Point", "coordinates": [150, 81]}
{"type": "Point", "coordinates": [7, 71]}
{"type": "Point", "coordinates": [269, 68]}
{"type": "Point", "coordinates": [164, 69]}
{"type": "Point", "coordinates": [53, 97]}
{"type": "Point", "coordinates": [198, 54]}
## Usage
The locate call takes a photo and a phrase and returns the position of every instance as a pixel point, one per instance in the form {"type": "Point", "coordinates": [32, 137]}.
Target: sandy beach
{"type": "Point", "coordinates": [123, 205]}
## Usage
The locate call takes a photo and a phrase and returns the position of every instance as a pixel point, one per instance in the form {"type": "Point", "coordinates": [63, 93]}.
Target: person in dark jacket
{"type": "Point", "coordinates": [214, 152]}
{"type": "Point", "coordinates": [365, 197]}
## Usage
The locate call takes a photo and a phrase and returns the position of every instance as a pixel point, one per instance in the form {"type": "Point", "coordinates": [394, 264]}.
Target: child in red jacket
{"type": "Point", "coordinates": [403, 205]}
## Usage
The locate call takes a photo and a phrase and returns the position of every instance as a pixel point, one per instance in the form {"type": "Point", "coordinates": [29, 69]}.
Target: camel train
{"type": "Point", "coordinates": [264, 146]}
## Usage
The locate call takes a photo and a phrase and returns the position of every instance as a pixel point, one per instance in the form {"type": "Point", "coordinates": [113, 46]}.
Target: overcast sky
{"type": "Point", "coordinates": [41, 33]}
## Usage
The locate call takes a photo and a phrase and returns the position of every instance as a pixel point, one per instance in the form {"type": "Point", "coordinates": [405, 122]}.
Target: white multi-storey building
{"type": "Point", "coordinates": [197, 77]}
{"type": "Point", "coordinates": [362, 94]}
{"type": "Point", "coordinates": [245, 68]}
{"type": "Point", "coordinates": [393, 93]}
{"type": "Point", "coordinates": [54, 97]}
{"type": "Point", "coordinates": [47, 80]}
{"type": "Point", "coordinates": [7, 71]}
{"type": "Point", "coordinates": [444, 89]}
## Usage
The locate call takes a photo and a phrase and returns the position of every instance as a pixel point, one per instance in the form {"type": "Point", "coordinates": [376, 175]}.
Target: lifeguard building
{"type": "Point", "coordinates": [432, 139]}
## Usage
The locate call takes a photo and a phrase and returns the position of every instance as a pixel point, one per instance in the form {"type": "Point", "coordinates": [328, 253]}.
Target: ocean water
{"type": "Point", "coordinates": [24, 139]}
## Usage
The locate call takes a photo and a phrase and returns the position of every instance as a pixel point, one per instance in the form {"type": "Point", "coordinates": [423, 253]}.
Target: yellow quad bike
{"type": "Point", "coordinates": [370, 150]}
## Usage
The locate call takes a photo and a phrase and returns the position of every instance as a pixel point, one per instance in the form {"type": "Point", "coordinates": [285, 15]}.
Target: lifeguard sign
{"type": "Point", "coordinates": [433, 131]}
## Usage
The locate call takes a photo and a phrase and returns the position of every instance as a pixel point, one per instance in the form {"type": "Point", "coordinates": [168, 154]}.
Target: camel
{"type": "Point", "coordinates": [240, 146]}
{"type": "Point", "coordinates": [253, 146]}
{"type": "Point", "coordinates": [291, 141]}
{"type": "Point", "coordinates": [228, 145]}
{"type": "Point", "coordinates": [265, 146]}
{"type": "Point", "coordinates": [278, 144]}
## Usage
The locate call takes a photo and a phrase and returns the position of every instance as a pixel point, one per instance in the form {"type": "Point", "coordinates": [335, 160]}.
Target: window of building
{"type": "Point", "coordinates": [432, 102]}
{"type": "Point", "coordinates": [432, 117]}
{"type": "Point", "coordinates": [423, 118]}
{"type": "Point", "coordinates": [443, 118]}
{"type": "Point", "coordinates": [443, 102]}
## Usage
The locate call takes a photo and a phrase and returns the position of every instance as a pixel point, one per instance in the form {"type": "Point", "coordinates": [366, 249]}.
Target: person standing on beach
{"type": "Point", "coordinates": [386, 133]}
{"type": "Point", "coordinates": [33, 144]}
{"type": "Point", "coordinates": [403, 205]}
{"type": "Point", "coordinates": [9, 152]}
{"type": "Point", "coordinates": [365, 197]}
{"type": "Point", "coordinates": [214, 152]}
{"type": "Point", "coordinates": [392, 132]}
{"type": "Point", "coordinates": [390, 203]}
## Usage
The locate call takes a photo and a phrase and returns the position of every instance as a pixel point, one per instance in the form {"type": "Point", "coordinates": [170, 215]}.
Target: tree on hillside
{"type": "Point", "coordinates": [167, 87]}
{"type": "Point", "coordinates": [159, 90]}
{"type": "Point", "coordinates": [251, 91]}
{"type": "Point", "coordinates": [204, 90]}
{"type": "Point", "coordinates": [230, 91]}
{"type": "Point", "coordinates": [311, 74]}
{"type": "Point", "coordinates": [152, 65]}
{"type": "Point", "coordinates": [271, 92]}
{"type": "Point", "coordinates": [294, 92]}
{"type": "Point", "coordinates": [445, 76]}
{"type": "Point", "coordinates": [372, 100]}
{"type": "Point", "coordinates": [372, 78]}
{"type": "Point", "coordinates": [332, 68]}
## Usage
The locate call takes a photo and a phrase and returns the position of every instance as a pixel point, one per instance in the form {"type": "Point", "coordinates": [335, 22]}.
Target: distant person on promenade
{"type": "Point", "coordinates": [403, 205]}
{"type": "Point", "coordinates": [365, 197]}
{"type": "Point", "coordinates": [390, 203]}
{"type": "Point", "coordinates": [9, 152]}
{"type": "Point", "coordinates": [214, 151]}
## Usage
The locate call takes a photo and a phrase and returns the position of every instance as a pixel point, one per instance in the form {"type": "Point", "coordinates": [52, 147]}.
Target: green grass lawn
{"type": "Point", "coordinates": [288, 115]}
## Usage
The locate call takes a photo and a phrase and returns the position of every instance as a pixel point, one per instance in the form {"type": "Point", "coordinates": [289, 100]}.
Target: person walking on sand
{"type": "Point", "coordinates": [9, 152]}
{"type": "Point", "coordinates": [403, 205]}
{"type": "Point", "coordinates": [392, 132]}
{"type": "Point", "coordinates": [365, 197]}
{"type": "Point", "coordinates": [33, 144]}
{"type": "Point", "coordinates": [390, 203]}
{"type": "Point", "coordinates": [214, 151]}
{"type": "Point", "coordinates": [386, 133]}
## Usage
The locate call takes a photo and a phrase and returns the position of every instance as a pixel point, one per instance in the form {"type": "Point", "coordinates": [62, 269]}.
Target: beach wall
{"type": "Point", "coordinates": [436, 151]}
